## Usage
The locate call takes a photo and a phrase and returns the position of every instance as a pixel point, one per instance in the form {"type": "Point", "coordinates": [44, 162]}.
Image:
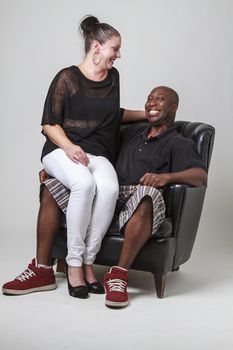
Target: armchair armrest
{"type": "Point", "coordinates": [184, 206]}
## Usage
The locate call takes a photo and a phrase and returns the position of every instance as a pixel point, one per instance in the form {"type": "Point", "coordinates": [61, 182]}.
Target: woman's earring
{"type": "Point", "coordinates": [96, 58]}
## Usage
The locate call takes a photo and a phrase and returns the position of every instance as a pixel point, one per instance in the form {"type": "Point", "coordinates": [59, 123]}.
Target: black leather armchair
{"type": "Point", "coordinates": [175, 239]}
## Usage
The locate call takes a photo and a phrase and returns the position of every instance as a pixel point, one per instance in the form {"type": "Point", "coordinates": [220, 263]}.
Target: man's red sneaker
{"type": "Point", "coordinates": [115, 283]}
{"type": "Point", "coordinates": [33, 279]}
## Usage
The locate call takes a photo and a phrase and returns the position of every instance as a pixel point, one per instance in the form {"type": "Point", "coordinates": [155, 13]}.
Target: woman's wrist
{"type": "Point", "coordinates": [66, 145]}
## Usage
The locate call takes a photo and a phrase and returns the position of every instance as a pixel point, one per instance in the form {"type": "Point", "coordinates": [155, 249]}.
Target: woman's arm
{"type": "Point", "coordinates": [57, 135]}
{"type": "Point", "coordinates": [193, 176]}
{"type": "Point", "coordinates": [131, 115]}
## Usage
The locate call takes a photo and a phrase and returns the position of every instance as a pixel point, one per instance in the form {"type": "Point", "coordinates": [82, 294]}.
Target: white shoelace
{"type": "Point", "coordinates": [25, 275]}
{"type": "Point", "coordinates": [116, 285]}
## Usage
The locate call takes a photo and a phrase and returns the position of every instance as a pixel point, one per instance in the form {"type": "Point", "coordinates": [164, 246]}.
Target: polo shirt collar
{"type": "Point", "coordinates": [164, 134]}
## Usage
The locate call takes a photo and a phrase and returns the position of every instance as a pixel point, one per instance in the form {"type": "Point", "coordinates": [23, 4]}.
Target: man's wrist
{"type": "Point", "coordinates": [168, 178]}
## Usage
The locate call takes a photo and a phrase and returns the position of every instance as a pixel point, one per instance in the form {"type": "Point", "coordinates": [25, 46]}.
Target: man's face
{"type": "Point", "coordinates": [160, 108]}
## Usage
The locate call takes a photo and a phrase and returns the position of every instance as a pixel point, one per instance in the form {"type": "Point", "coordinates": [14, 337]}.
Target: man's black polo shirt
{"type": "Point", "coordinates": [166, 153]}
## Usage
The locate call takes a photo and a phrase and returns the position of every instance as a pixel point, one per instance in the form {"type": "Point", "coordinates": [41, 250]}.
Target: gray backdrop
{"type": "Point", "coordinates": [186, 44]}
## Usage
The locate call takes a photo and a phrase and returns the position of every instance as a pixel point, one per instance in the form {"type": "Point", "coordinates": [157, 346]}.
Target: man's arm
{"type": "Point", "coordinates": [193, 176]}
{"type": "Point", "coordinates": [131, 115]}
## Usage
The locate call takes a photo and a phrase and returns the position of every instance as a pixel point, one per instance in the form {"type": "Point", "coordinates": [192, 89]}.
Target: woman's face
{"type": "Point", "coordinates": [109, 52]}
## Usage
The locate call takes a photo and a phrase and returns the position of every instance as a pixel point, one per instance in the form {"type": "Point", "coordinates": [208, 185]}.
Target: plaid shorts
{"type": "Point", "coordinates": [128, 201]}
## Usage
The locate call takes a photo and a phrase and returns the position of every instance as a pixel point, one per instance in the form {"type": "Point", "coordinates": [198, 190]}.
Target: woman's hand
{"type": "Point", "coordinates": [57, 135]}
{"type": "Point", "coordinates": [76, 154]}
{"type": "Point", "coordinates": [154, 180]}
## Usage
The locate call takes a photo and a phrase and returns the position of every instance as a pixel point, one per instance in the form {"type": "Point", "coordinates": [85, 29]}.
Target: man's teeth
{"type": "Point", "coordinates": [153, 112]}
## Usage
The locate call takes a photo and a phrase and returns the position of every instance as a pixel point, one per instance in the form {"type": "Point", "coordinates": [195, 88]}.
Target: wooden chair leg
{"type": "Point", "coordinates": [176, 269]}
{"type": "Point", "coordinates": [60, 265]}
{"type": "Point", "coordinates": [160, 282]}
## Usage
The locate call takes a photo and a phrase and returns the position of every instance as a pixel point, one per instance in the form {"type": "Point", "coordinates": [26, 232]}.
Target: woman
{"type": "Point", "coordinates": [81, 121]}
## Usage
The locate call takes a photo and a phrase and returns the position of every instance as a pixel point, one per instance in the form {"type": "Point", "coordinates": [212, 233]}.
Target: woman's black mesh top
{"type": "Point", "coordinates": [88, 111]}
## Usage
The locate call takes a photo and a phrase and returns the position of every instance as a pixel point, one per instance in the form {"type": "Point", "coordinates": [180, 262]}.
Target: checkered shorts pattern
{"type": "Point", "coordinates": [131, 196]}
{"type": "Point", "coordinates": [128, 201]}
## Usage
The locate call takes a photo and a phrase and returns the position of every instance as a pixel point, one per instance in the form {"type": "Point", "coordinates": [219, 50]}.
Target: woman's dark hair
{"type": "Point", "coordinates": [92, 29]}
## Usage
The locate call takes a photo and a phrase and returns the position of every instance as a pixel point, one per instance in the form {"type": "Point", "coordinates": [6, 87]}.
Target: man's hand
{"type": "Point", "coordinates": [43, 176]}
{"type": "Point", "coordinates": [154, 180]}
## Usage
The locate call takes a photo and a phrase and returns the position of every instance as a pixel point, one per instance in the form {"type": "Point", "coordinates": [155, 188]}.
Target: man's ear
{"type": "Point", "coordinates": [174, 107]}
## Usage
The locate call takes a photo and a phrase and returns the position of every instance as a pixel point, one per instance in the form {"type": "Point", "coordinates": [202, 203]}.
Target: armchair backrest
{"type": "Point", "coordinates": [184, 203]}
{"type": "Point", "coordinates": [202, 134]}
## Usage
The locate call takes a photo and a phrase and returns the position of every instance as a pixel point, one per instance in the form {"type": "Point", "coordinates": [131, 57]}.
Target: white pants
{"type": "Point", "coordinates": [94, 191]}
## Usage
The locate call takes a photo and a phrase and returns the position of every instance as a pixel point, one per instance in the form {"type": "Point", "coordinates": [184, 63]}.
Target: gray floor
{"type": "Point", "coordinates": [196, 313]}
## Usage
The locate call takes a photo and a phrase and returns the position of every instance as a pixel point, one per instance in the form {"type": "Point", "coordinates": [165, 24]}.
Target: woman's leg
{"type": "Point", "coordinates": [81, 183]}
{"type": "Point", "coordinates": [107, 190]}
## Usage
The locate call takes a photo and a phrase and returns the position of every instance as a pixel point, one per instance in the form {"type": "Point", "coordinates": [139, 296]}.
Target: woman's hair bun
{"type": "Point", "coordinates": [88, 24]}
{"type": "Point", "coordinates": [91, 29]}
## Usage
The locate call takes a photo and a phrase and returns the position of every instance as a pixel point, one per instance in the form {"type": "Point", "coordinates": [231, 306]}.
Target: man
{"type": "Point", "coordinates": [150, 158]}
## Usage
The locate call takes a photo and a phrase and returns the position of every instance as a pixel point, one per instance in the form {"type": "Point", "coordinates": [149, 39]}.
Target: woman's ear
{"type": "Point", "coordinates": [95, 46]}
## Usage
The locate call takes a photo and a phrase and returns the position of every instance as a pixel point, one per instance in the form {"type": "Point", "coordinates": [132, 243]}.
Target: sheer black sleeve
{"type": "Point", "coordinates": [54, 104]}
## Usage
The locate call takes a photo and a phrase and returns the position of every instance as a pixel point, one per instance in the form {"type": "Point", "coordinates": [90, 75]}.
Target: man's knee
{"type": "Point", "coordinates": [141, 221]}
{"type": "Point", "coordinates": [144, 209]}
{"type": "Point", "coordinates": [45, 196]}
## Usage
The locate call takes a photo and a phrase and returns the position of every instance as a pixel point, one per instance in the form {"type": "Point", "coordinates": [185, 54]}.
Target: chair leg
{"type": "Point", "coordinates": [175, 269]}
{"type": "Point", "coordinates": [160, 282]}
{"type": "Point", "coordinates": [60, 265]}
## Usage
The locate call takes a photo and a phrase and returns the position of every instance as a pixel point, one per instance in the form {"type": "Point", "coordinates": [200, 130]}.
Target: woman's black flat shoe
{"type": "Point", "coordinates": [78, 291]}
{"type": "Point", "coordinates": [95, 287]}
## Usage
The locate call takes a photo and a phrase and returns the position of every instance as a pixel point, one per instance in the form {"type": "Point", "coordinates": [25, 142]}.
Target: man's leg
{"type": "Point", "coordinates": [36, 277]}
{"type": "Point", "coordinates": [137, 232]}
{"type": "Point", "coordinates": [48, 223]}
